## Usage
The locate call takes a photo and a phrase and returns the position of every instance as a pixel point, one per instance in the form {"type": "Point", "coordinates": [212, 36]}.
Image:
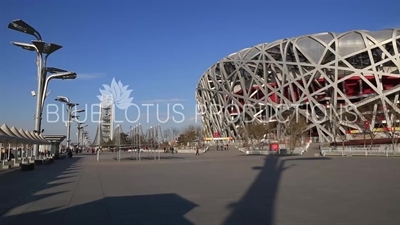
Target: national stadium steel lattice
{"type": "Point", "coordinates": [352, 68]}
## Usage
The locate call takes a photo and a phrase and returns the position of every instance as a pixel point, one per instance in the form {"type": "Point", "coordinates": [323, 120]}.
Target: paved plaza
{"type": "Point", "coordinates": [221, 188]}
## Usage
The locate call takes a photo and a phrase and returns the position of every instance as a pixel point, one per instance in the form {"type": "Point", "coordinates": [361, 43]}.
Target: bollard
{"type": "Point", "coordinates": [4, 166]}
{"type": "Point", "coordinates": [15, 163]}
{"type": "Point", "coordinates": [98, 156]}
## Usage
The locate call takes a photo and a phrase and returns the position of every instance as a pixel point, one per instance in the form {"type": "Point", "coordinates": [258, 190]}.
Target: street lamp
{"type": "Point", "coordinates": [80, 127]}
{"type": "Point", "coordinates": [62, 75]}
{"type": "Point", "coordinates": [40, 48]}
{"type": "Point", "coordinates": [20, 26]}
{"type": "Point", "coordinates": [77, 111]}
{"type": "Point", "coordinates": [46, 48]}
{"type": "Point", "coordinates": [70, 106]}
{"type": "Point", "coordinates": [78, 133]}
{"type": "Point", "coordinates": [84, 134]}
{"type": "Point", "coordinates": [25, 46]}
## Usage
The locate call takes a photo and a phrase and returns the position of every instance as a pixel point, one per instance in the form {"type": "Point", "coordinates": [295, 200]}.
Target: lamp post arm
{"type": "Point", "coordinates": [46, 84]}
{"type": "Point", "coordinates": [38, 35]}
{"type": "Point", "coordinates": [44, 72]}
{"type": "Point", "coordinates": [78, 135]}
{"type": "Point", "coordinates": [69, 108]}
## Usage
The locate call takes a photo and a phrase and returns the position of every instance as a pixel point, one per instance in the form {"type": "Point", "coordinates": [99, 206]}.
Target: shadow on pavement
{"type": "Point", "coordinates": [152, 158]}
{"type": "Point", "coordinates": [257, 206]}
{"type": "Point", "coordinates": [146, 209]}
{"type": "Point", "coordinates": [17, 186]}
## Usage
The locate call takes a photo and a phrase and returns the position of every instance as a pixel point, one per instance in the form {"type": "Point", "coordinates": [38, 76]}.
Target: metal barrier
{"type": "Point", "coordinates": [297, 151]}
{"type": "Point", "coordinates": [358, 151]}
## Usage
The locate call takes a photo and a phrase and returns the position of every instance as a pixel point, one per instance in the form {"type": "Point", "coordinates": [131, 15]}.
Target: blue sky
{"type": "Point", "coordinates": [159, 48]}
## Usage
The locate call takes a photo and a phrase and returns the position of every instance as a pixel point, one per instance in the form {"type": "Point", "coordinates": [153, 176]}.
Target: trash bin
{"type": "Point", "coordinates": [283, 151]}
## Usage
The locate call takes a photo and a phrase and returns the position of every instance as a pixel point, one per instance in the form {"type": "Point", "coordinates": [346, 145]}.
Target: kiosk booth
{"type": "Point", "coordinates": [55, 141]}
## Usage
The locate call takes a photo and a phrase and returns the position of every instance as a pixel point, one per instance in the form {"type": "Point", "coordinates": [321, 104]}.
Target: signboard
{"type": "Point", "coordinates": [218, 139]}
{"type": "Point", "coordinates": [375, 130]}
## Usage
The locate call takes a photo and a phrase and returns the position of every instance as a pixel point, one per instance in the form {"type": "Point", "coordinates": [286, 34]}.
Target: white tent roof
{"type": "Point", "coordinates": [7, 130]}
{"type": "Point", "coordinates": [23, 139]}
{"type": "Point", "coordinates": [30, 136]}
{"type": "Point", "coordinates": [4, 136]}
{"type": "Point", "coordinates": [22, 132]}
{"type": "Point", "coordinates": [36, 136]}
{"type": "Point", "coordinates": [43, 138]}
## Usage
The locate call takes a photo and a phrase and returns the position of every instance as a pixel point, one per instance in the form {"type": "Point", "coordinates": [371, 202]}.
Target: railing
{"type": "Point", "coordinates": [360, 151]}
{"type": "Point", "coordinates": [257, 151]}
{"type": "Point", "coordinates": [193, 150]}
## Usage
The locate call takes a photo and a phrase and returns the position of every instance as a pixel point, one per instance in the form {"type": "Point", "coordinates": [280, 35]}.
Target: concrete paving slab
{"type": "Point", "coordinates": [219, 187]}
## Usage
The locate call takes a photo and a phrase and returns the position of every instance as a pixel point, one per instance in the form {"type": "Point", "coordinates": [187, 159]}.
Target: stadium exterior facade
{"type": "Point", "coordinates": [309, 72]}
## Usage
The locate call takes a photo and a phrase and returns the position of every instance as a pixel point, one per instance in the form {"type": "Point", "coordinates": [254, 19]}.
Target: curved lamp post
{"type": "Point", "coordinates": [56, 74]}
{"type": "Point", "coordinates": [84, 134]}
{"type": "Point", "coordinates": [41, 48]}
{"type": "Point", "coordinates": [80, 132]}
{"type": "Point", "coordinates": [70, 106]}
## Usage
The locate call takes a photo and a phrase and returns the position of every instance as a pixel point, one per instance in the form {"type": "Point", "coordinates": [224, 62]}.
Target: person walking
{"type": "Point", "coordinates": [197, 151]}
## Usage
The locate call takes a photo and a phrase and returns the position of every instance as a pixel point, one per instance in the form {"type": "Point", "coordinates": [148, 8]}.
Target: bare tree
{"type": "Point", "coordinates": [293, 128]}
{"type": "Point", "coordinates": [258, 131]}
{"type": "Point", "coordinates": [167, 133]}
{"type": "Point", "coordinates": [335, 120]}
{"type": "Point", "coordinates": [370, 112]}
{"type": "Point", "coordinates": [188, 135]}
{"type": "Point", "coordinates": [191, 134]}
{"type": "Point", "coordinates": [244, 135]}
{"type": "Point", "coordinates": [175, 134]}
{"type": "Point", "coordinates": [199, 134]}
{"type": "Point", "coordinates": [394, 130]}
{"type": "Point", "coordinates": [339, 133]}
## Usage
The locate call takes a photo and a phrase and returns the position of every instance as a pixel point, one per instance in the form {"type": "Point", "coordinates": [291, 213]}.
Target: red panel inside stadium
{"type": "Point", "coordinates": [351, 87]}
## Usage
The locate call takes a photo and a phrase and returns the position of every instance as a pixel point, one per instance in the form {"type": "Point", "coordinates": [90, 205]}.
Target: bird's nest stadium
{"type": "Point", "coordinates": [309, 73]}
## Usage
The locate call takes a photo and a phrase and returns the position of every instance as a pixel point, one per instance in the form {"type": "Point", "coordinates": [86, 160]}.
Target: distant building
{"type": "Point", "coordinates": [105, 129]}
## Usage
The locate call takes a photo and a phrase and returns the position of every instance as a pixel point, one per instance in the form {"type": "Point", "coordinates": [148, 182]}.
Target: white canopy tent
{"type": "Point", "coordinates": [28, 134]}
{"type": "Point", "coordinates": [5, 137]}
{"type": "Point", "coordinates": [23, 134]}
{"type": "Point", "coordinates": [36, 136]}
{"type": "Point", "coordinates": [46, 146]}
{"type": "Point", "coordinates": [15, 140]}
{"type": "Point", "coordinates": [30, 142]}
{"type": "Point", "coordinates": [8, 131]}
{"type": "Point", "coordinates": [20, 141]}
{"type": "Point", "coordinates": [43, 139]}
{"type": "Point", "coordinates": [17, 134]}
